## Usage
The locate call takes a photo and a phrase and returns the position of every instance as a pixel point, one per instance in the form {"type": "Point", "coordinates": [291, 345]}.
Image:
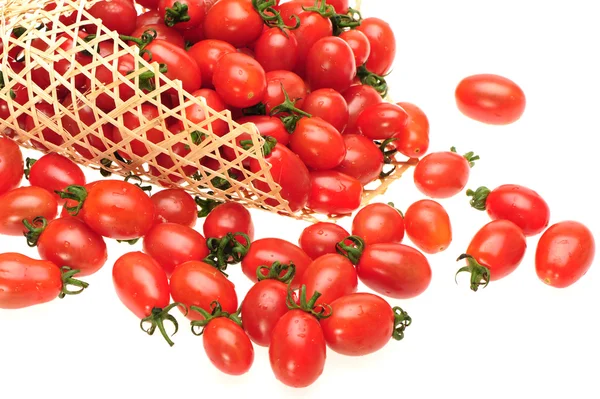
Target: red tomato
{"type": "Point", "coordinates": [340, 6]}
{"type": "Point", "coordinates": [43, 110]}
{"type": "Point", "coordinates": [105, 76]}
{"type": "Point", "coordinates": [54, 172]}
{"type": "Point", "coordinates": [182, 14]}
{"type": "Point", "coordinates": [413, 140]}
{"type": "Point", "coordinates": [233, 21]}
{"type": "Point", "coordinates": [428, 226]}
{"type": "Point", "coordinates": [328, 105]}
{"type": "Point", "coordinates": [359, 98]}
{"type": "Point", "coordinates": [180, 65]}
{"type": "Point", "coordinates": [382, 121]}
{"type": "Point", "coordinates": [394, 270]}
{"type": "Point", "coordinates": [321, 238]}
{"type": "Point", "coordinates": [268, 126]}
{"type": "Point", "coordinates": [379, 224]}
{"type": "Point", "coordinates": [71, 203]}
{"type": "Point", "coordinates": [227, 346]}
{"type": "Point", "coordinates": [318, 144]}
{"type": "Point", "coordinates": [443, 174]}
{"type": "Point", "coordinates": [207, 53]}
{"type": "Point", "coordinates": [117, 15]}
{"type": "Point", "coordinates": [175, 206]}
{"type": "Point", "coordinates": [150, 17]}
{"type": "Point", "coordinates": [25, 203]}
{"type": "Point", "coordinates": [199, 284]}
{"type": "Point", "coordinates": [330, 64]}
{"type": "Point", "coordinates": [564, 254]}
{"type": "Point", "coordinates": [490, 99]}
{"type": "Point", "coordinates": [193, 36]}
{"type": "Point", "coordinates": [383, 45]}
{"type": "Point", "coordinates": [227, 218]}
{"type": "Point", "coordinates": [361, 324]}
{"type": "Point", "coordinates": [173, 244]}
{"type": "Point", "coordinates": [521, 205]}
{"type": "Point", "coordinates": [197, 114]}
{"type": "Point", "coordinates": [277, 49]}
{"type": "Point", "coordinates": [332, 275]}
{"type": "Point", "coordinates": [298, 351]}
{"type": "Point", "coordinates": [364, 160]}
{"type": "Point", "coordinates": [240, 80]}
{"type": "Point", "coordinates": [360, 45]}
{"type": "Point", "coordinates": [293, 85]}
{"type": "Point", "coordinates": [11, 165]}
{"type": "Point", "coordinates": [165, 160]}
{"type": "Point", "coordinates": [268, 250]}
{"type": "Point", "coordinates": [494, 252]}
{"type": "Point", "coordinates": [313, 27]}
{"type": "Point", "coordinates": [163, 32]}
{"type": "Point", "coordinates": [333, 192]}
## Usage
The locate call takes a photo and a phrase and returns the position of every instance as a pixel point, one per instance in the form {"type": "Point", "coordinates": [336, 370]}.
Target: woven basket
{"type": "Point", "coordinates": [89, 146]}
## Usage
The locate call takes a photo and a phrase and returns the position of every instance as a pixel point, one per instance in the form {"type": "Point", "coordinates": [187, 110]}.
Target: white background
{"type": "Point", "coordinates": [517, 338]}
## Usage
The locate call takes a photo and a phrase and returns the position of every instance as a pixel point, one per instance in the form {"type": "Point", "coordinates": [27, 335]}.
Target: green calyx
{"type": "Point", "coordinates": [369, 78]}
{"type": "Point", "coordinates": [75, 193]}
{"type": "Point", "coordinates": [105, 171]}
{"type": "Point", "coordinates": [28, 164]}
{"type": "Point", "coordinates": [469, 156]}
{"type": "Point", "coordinates": [401, 321]}
{"type": "Point", "coordinates": [480, 275]}
{"type": "Point", "coordinates": [139, 182]}
{"type": "Point", "coordinates": [351, 20]}
{"type": "Point", "coordinates": [290, 113]}
{"type": "Point", "coordinates": [227, 250]}
{"type": "Point", "coordinates": [479, 198]}
{"type": "Point", "coordinates": [322, 8]}
{"type": "Point", "coordinates": [394, 206]}
{"type": "Point", "coordinates": [215, 312]}
{"type": "Point", "coordinates": [353, 251]}
{"type": "Point", "coordinates": [309, 306]}
{"type": "Point", "coordinates": [176, 14]}
{"type": "Point", "coordinates": [206, 206]}
{"type": "Point", "coordinates": [67, 279]}
{"type": "Point", "coordinates": [157, 318]}
{"type": "Point", "coordinates": [34, 230]}
{"type": "Point", "coordinates": [271, 17]}
{"type": "Point", "coordinates": [268, 146]}
{"type": "Point", "coordinates": [130, 242]}
{"type": "Point", "coordinates": [277, 271]}
{"type": "Point", "coordinates": [387, 156]}
{"type": "Point", "coordinates": [259, 109]}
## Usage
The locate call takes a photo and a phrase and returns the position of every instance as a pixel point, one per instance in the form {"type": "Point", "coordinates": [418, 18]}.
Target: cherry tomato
{"type": "Point", "coordinates": [490, 99]}
{"type": "Point", "coordinates": [330, 64]}
{"type": "Point", "coordinates": [132, 122]}
{"type": "Point", "coordinates": [268, 250]}
{"type": "Point", "coordinates": [277, 49]}
{"type": "Point", "coordinates": [182, 14]}
{"type": "Point", "coordinates": [199, 284]}
{"type": "Point", "coordinates": [428, 226]}
{"type": "Point", "coordinates": [564, 254]}
{"type": "Point", "coordinates": [277, 82]}
{"type": "Point", "coordinates": [379, 224]}
{"type": "Point", "coordinates": [233, 21]}
{"type": "Point", "coordinates": [166, 161]}
{"type": "Point", "coordinates": [180, 65]}
{"type": "Point", "coordinates": [360, 45]}
{"type": "Point", "coordinates": [44, 110]}
{"type": "Point", "coordinates": [172, 244]}
{"type": "Point", "coordinates": [521, 205]}
{"type": "Point", "coordinates": [197, 114]}
{"type": "Point", "coordinates": [106, 76]}
{"type": "Point", "coordinates": [333, 192]}
{"type": "Point", "coordinates": [332, 275]}
{"type": "Point", "coordinates": [321, 238]}
{"type": "Point", "coordinates": [340, 6]}
{"type": "Point", "coordinates": [361, 324]}
{"type": "Point", "coordinates": [364, 160]}
{"type": "Point", "coordinates": [207, 53]}
{"type": "Point", "coordinates": [240, 80]}
{"type": "Point", "coordinates": [54, 172]}
{"type": "Point", "coordinates": [175, 206]}
{"type": "Point", "coordinates": [25, 203]}
{"type": "Point", "coordinates": [413, 140]}
{"type": "Point", "coordinates": [382, 121]}
{"type": "Point", "coordinates": [193, 36]}
{"type": "Point", "coordinates": [70, 203]}
{"type": "Point", "coordinates": [359, 98]}
{"type": "Point", "coordinates": [383, 45]}
{"type": "Point", "coordinates": [268, 126]}
{"type": "Point", "coordinates": [394, 270]}
{"type": "Point", "coordinates": [328, 105]}
{"type": "Point", "coordinates": [494, 252]}
{"type": "Point", "coordinates": [318, 144]}
{"type": "Point", "coordinates": [163, 32]}
{"type": "Point", "coordinates": [117, 15]}
{"type": "Point", "coordinates": [150, 17]}
{"type": "Point", "coordinates": [443, 174]}
{"type": "Point", "coordinates": [227, 218]}
{"type": "Point", "coordinates": [11, 165]}
{"type": "Point", "coordinates": [227, 346]}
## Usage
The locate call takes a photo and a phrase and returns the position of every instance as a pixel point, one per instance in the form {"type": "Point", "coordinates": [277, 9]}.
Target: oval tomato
{"type": "Point", "coordinates": [359, 98]}
{"type": "Point", "coordinates": [382, 121]}
{"type": "Point", "coordinates": [277, 82]}
{"type": "Point", "coordinates": [328, 105]}
{"type": "Point", "coordinates": [207, 53]}
{"type": "Point", "coordinates": [331, 275]}
{"type": "Point", "coordinates": [383, 45]}
{"type": "Point", "coordinates": [363, 161]}
{"type": "Point", "coordinates": [334, 193]}
{"type": "Point", "coordinates": [197, 114]}
{"type": "Point", "coordinates": [175, 206]}
{"type": "Point", "coordinates": [240, 80]}
{"type": "Point", "coordinates": [413, 140]}
{"type": "Point", "coordinates": [428, 226]}
{"type": "Point", "coordinates": [11, 165]}
{"type": "Point", "coordinates": [151, 130]}
{"type": "Point", "coordinates": [117, 15]}
{"type": "Point", "coordinates": [53, 172]}
{"type": "Point", "coordinates": [182, 14]}
{"type": "Point", "coordinates": [330, 64]}
{"type": "Point", "coordinates": [150, 17]}
{"type": "Point", "coordinates": [25, 203]}
{"type": "Point", "coordinates": [227, 346]}
{"type": "Point", "coordinates": [443, 174]}
{"type": "Point", "coordinates": [318, 144]}
{"type": "Point", "coordinates": [276, 49]}
{"type": "Point", "coordinates": [360, 45]}
{"type": "Point", "coordinates": [313, 27]}
{"type": "Point", "coordinates": [180, 65]}
{"type": "Point", "coordinates": [268, 126]}
{"type": "Point", "coordinates": [228, 218]}
{"type": "Point", "coordinates": [321, 238]}
{"type": "Point", "coordinates": [233, 21]}
{"type": "Point", "coordinates": [379, 224]}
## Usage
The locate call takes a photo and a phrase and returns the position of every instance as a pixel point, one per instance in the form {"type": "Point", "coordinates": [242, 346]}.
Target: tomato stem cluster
{"type": "Point", "coordinates": [206, 206]}
{"type": "Point", "coordinates": [479, 198]}
{"type": "Point", "coordinates": [176, 14]}
{"type": "Point", "coordinates": [353, 251]}
{"type": "Point", "coordinates": [272, 17]}
{"type": "Point", "coordinates": [226, 250]}
{"type": "Point", "coordinates": [480, 275]}
{"type": "Point", "coordinates": [469, 156]}
{"type": "Point", "coordinates": [309, 306]}
{"type": "Point", "coordinates": [369, 78]}
{"type": "Point", "coordinates": [322, 8]}
{"type": "Point", "coordinates": [35, 229]}
{"type": "Point", "coordinates": [157, 318]}
{"type": "Point", "coordinates": [75, 193]}
{"type": "Point", "coordinates": [28, 164]}
{"type": "Point", "coordinates": [277, 271]}
{"type": "Point", "coordinates": [139, 183]}
{"type": "Point", "coordinates": [67, 279]}
{"type": "Point", "coordinates": [401, 321]}
{"type": "Point", "coordinates": [268, 146]}
{"type": "Point", "coordinates": [216, 312]}
{"type": "Point", "coordinates": [351, 20]}
{"type": "Point", "coordinates": [291, 113]}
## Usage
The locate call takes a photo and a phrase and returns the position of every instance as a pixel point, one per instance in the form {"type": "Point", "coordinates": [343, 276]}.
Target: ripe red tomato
{"type": "Point", "coordinates": [490, 99]}
{"type": "Point", "coordinates": [293, 85]}
{"type": "Point", "coordinates": [229, 217]}
{"type": "Point", "coordinates": [383, 45]}
{"type": "Point", "coordinates": [443, 174]}
{"type": "Point", "coordinates": [48, 134]}
{"type": "Point", "coordinates": [330, 64]}
{"type": "Point", "coordinates": [267, 126]}
{"type": "Point", "coordinates": [207, 53]}
{"type": "Point", "coordinates": [117, 15]}
{"type": "Point", "coordinates": [11, 165]}
{"type": "Point", "coordinates": [233, 21]}
{"type": "Point", "coordinates": [193, 36]}
{"type": "Point", "coordinates": [521, 205]}
{"type": "Point", "coordinates": [361, 324]}
{"type": "Point", "coordinates": [318, 144]}
{"type": "Point", "coordinates": [125, 64]}
{"type": "Point", "coordinates": [394, 270]}
{"type": "Point", "coordinates": [360, 45]}
{"type": "Point", "coordinates": [564, 254]}
{"type": "Point", "coordinates": [54, 172]}
{"type": "Point", "coordinates": [428, 226]}
{"type": "Point", "coordinates": [334, 193]}
{"type": "Point", "coordinates": [150, 17]}
{"type": "Point", "coordinates": [163, 32]}
{"type": "Point", "coordinates": [413, 140]}
{"type": "Point", "coordinates": [197, 114]}
{"type": "Point", "coordinates": [227, 346]}
{"type": "Point", "coordinates": [175, 206]}
{"type": "Point", "coordinates": [199, 284]}
{"type": "Point", "coordinates": [165, 160]}
{"type": "Point", "coordinates": [72, 203]}
{"type": "Point", "coordinates": [313, 27]}
{"type": "Point", "coordinates": [358, 98]}
{"type": "Point", "coordinates": [340, 6]}
{"type": "Point", "coordinates": [364, 160]}
{"type": "Point", "coordinates": [328, 105]}
{"type": "Point", "coordinates": [277, 49]}
{"type": "Point", "coordinates": [25, 203]}
{"type": "Point", "coordinates": [321, 238]}
{"type": "Point", "coordinates": [382, 121]}
{"type": "Point", "coordinates": [180, 65]}
{"type": "Point", "coordinates": [240, 80]}
{"type": "Point", "coordinates": [172, 244]}
{"type": "Point", "coordinates": [494, 252]}
{"type": "Point", "coordinates": [332, 275]}
{"type": "Point", "coordinates": [379, 224]}
{"type": "Point", "coordinates": [182, 14]}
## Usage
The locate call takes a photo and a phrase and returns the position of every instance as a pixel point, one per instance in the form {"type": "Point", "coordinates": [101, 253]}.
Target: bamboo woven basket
{"type": "Point", "coordinates": [89, 146]}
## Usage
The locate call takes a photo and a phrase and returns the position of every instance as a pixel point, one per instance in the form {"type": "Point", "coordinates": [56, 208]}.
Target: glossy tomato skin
{"type": "Point", "coordinates": [180, 65]}
{"type": "Point", "coordinates": [328, 105]}
{"type": "Point", "coordinates": [277, 49]}
{"type": "Point", "coordinates": [564, 254]}
{"type": "Point", "coordinates": [383, 45]}
{"type": "Point", "coordinates": [364, 160]}
{"type": "Point", "coordinates": [175, 206]}
{"type": "Point", "coordinates": [313, 27]}
{"type": "Point", "coordinates": [268, 126]}
{"type": "Point", "coordinates": [332, 275]}
{"type": "Point", "coordinates": [196, 114]}
{"type": "Point", "coordinates": [118, 210]}
{"type": "Point", "coordinates": [330, 64]}
{"type": "Point", "coordinates": [360, 45]}
{"type": "Point", "coordinates": [268, 250]}
{"type": "Point", "coordinates": [321, 239]}
{"type": "Point", "coordinates": [358, 98]}
{"type": "Point", "coordinates": [262, 308]}
{"type": "Point", "coordinates": [360, 324]}
{"type": "Point", "coordinates": [207, 53]}
{"type": "Point", "coordinates": [198, 284]}
{"type": "Point", "coordinates": [70, 242]}
{"type": "Point", "coordinates": [117, 15]}
{"type": "Point", "coordinates": [413, 140]}
{"type": "Point", "coordinates": [25, 203]}
{"type": "Point", "coordinates": [442, 174]}
{"type": "Point", "coordinates": [318, 144]}
{"type": "Point", "coordinates": [394, 270]}
{"type": "Point", "coordinates": [333, 192]}
{"type": "Point", "coordinates": [490, 99]}
{"type": "Point", "coordinates": [229, 217]}
{"type": "Point", "coordinates": [340, 6]}
{"type": "Point", "coordinates": [292, 83]}
{"type": "Point", "coordinates": [26, 282]}
{"type": "Point", "coordinates": [521, 205]}
{"type": "Point", "coordinates": [11, 165]}
{"type": "Point", "coordinates": [196, 11]}
{"type": "Point", "coordinates": [233, 21]}
{"type": "Point", "coordinates": [150, 17]}
{"type": "Point", "coordinates": [53, 172]}
{"type": "Point", "coordinates": [379, 224]}
{"type": "Point", "coordinates": [240, 80]}
{"type": "Point", "coordinates": [428, 226]}
{"type": "Point", "coordinates": [382, 121]}
{"type": "Point", "coordinates": [163, 32]}
{"type": "Point", "coordinates": [298, 350]}
{"type": "Point", "coordinates": [227, 346]}
{"type": "Point", "coordinates": [173, 244]}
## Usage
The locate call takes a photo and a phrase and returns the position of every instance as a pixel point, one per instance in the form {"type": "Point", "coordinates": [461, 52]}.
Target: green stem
{"type": "Point", "coordinates": [28, 164]}
{"type": "Point", "coordinates": [351, 20]}
{"type": "Point", "coordinates": [480, 275]}
{"type": "Point", "coordinates": [469, 156]}
{"type": "Point", "coordinates": [271, 17]}
{"type": "Point", "coordinates": [106, 163]}
{"type": "Point", "coordinates": [369, 78]}
{"type": "Point", "coordinates": [75, 193]}
{"type": "Point", "coordinates": [309, 306]}
{"type": "Point", "coordinates": [394, 206]}
{"type": "Point", "coordinates": [139, 183]}
{"type": "Point", "coordinates": [354, 251]}
{"type": "Point", "coordinates": [35, 230]}
{"type": "Point", "coordinates": [268, 146]}
{"type": "Point", "coordinates": [388, 154]}
{"type": "Point", "coordinates": [256, 110]}
{"type": "Point", "coordinates": [322, 8]}
{"type": "Point", "coordinates": [176, 14]}
{"type": "Point", "coordinates": [479, 198]}
{"type": "Point", "coordinates": [67, 275]}
{"type": "Point", "coordinates": [292, 114]}
{"type": "Point", "coordinates": [157, 318]}
{"type": "Point", "coordinates": [277, 271]}
{"type": "Point", "coordinates": [401, 321]}
{"type": "Point", "coordinates": [216, 311]}
{"type": "Point", "coordinates": [227, 250]}
{"type": "Point", "coordinates": [206, 206]}
{"type": "Point", "coordinates": [130, 242]}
